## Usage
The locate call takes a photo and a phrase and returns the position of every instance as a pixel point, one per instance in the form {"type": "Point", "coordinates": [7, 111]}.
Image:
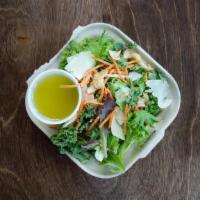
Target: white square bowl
{"type": "Point", "coordinates": [166, 117]}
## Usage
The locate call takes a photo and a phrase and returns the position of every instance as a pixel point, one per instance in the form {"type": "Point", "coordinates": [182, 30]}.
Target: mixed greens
{"type": "Point", "coordinates": [122, 95]}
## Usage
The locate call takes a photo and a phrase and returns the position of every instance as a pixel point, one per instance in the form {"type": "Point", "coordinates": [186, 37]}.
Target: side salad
{"type": "Point", "coordinates": [121, 97]}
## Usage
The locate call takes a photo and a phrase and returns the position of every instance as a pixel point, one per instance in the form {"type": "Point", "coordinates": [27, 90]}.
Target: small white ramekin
{"type": "Point", "coordinates": [31, 103]}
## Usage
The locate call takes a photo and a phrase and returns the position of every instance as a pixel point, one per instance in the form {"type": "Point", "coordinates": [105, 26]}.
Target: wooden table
{"type": "Point", "coordinates": [31, 32]}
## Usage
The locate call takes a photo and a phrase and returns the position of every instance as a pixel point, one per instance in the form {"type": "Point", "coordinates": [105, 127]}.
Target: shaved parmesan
{"type": "Point", "coordinates": [115, 54]}
{"type": "Point", "coordinates": [160, 89]}
{"type": "Point", "coordinates": [119, 117]}
{"type": "Point", "coordinates": [124, 90]}
{"type": "Point", "coordinates": [116, 129]}
{"type": "Point", "coordinates": [134, 76]}
{"type": "Point", "coordinates": [78, 64]}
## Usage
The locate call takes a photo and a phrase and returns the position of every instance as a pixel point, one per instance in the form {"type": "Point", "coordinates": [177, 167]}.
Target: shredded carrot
{"type": "Point", "coordinates": [86, 80]}
{"type": "Point", "coordinates": [145, 77]}
{"type": "Point", "coordinates": [106, 80]}
{"type": "Point", "coordinates": [101, 94]}
{"type": "Point", "coordinates": [110, 67]}
{"type": "Point", "coordinates": [111, 119]}
{"type": "Point", "coordinates": [94, 103]}
{"type": "Point", "coordinates": [111, 71]}
{"type": "Point", "coordinates": [126, 71]}
{"type": "Point", "coordinates": [105, 120]}
{"type": "Point", "coordinates": [94, 68]}
{"type": "Point", "coordinates": [132, 65]}
{"type": "Point", "coordinates": [123, 79]}
{"type": "Point", "coordinates": [108, 117]}
{"type": "Point", "coordinates": [105, 92]}
{"type": "Point", "coordinates": [116, 66]}
{"type": "Point", "coordinates": [98, 66]}
{"type": "Point", "coordinates": [102, 61]}
{"type": "Point", "coordinates": [94, 71]}
{"type": "Point", "coordinates": [93, 124]}
{"type": "Point", "coordinates": [109, 93]}
{"type": "Point", "coordinates": [123, 73]}
{"type": "Point", "coordinates": [68, 86]}
{"type": "Point", "coordinates": [53, 126]}
{"type": "Point", "coordinates": [78, 125]}
{"type": "Point", "coordinates": [118, 70]}
{"type": "Point", "coordinates": [127, 109]}
{"type": "Point", "coordinates": [80, 110]}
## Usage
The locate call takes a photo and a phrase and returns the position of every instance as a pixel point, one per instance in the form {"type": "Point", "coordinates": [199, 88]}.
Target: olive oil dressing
{"type": "Point", "coordinates": [53, 101]}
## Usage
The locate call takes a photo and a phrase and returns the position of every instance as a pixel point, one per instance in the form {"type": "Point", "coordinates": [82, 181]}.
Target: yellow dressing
{"type": "Point", "coordinates": [52, 101]}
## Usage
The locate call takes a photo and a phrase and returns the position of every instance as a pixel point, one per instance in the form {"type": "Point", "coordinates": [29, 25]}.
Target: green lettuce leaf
{"type": "Point", "coordinates": [114, 163]}
{"type": "Point", "coordinates": [99, 46]}
{"type": "Point", "coordinates": [113, 143]}
{"type": "Point", "coordinates": [138, 125]}
{"type": "Point", "coordinates": [118, 88]}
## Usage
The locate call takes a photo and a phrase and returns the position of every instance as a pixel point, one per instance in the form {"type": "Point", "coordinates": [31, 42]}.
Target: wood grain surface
{"type": "Point", "coordinates": [31, 32]}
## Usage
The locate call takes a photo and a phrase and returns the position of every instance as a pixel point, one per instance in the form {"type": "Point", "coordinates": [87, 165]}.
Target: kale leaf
{"type": "Point", "coordinates": [67, 141]}
{"type": "Point", "coordinates": [86, 118]}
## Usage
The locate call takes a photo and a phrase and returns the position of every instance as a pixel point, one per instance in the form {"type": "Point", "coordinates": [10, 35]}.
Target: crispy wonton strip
{"type": "Point", "coordinates": [131, 66]}
{"type": "Point", "coordinates": [133, 62]}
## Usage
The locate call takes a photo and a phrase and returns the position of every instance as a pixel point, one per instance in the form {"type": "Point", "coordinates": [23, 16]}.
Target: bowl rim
{"type": "Point", "coordinates": [160, 133]}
